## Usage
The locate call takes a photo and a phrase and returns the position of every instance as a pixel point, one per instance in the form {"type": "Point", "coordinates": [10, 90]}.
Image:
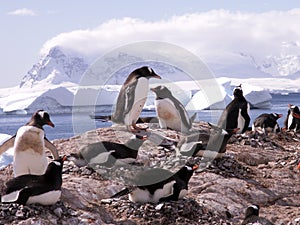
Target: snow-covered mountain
{"type": "Point", "coordinates": [55, 68]}
{"type": "Point", "coordinates": [55, 81]}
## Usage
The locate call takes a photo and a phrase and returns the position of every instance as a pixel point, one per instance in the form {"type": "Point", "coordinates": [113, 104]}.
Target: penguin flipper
{"type": "Point", "coordinates": [7, 144]}
{"type": "Point", "coordinates": [52, 148]}
{"type": "Point", "coordinates": [123, 192]}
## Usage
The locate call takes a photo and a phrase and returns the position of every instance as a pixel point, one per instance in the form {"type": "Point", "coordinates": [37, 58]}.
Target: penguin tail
{"type": "Point", "coordinates": [121, 193]}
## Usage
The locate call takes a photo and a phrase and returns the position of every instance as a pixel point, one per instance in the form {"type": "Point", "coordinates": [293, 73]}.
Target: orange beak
{"type": "Point", "coordinates": [50, 124]}
{"type": "Point", "coordinates": [195, 167]}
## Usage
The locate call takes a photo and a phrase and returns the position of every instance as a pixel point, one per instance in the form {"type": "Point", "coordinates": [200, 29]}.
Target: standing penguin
{"type": "Point", "coordinates": [252, 217]}
{"type": "Point", "coordinates": [236, 113]}
{"type": "Point", "coordinates": [132, 97]}
{"type": "Point", "coordinates": [157, 185]}
{"type": "Point", "coordinates": [171, 113]}
{"type": "Point", "coordinates": [266, 123]}
{"type": "Point", "coordinates": [292, 121]}
{"type": "Point", "coordinates": [42, 189]}
{"type": "Point", "coordinates": [29, 146]}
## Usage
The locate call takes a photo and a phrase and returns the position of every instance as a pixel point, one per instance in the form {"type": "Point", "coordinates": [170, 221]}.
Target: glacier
{"type": "Point", "coordinates": [56, 84]}
{"type": "Point", "coordinates": [7, 157]}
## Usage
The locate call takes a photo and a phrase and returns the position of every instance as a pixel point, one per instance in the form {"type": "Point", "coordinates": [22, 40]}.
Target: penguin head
{"type": "Point", "coordinates": [276, 115]}
{"type": "Point", "coordinates": [40, 118]}
{"type": "Point", "coordinates": [238, 91]}
{"type": "Point", "coordinates": [186, 172]}
{"type": "Point", "coordinates": [161, 92]}
{"type": "Point", "coordinates": [55, 167]}
{"type": "Point", "coordinates": [252, 210]}
{"type": "Point", "coordinates": [145, 72]}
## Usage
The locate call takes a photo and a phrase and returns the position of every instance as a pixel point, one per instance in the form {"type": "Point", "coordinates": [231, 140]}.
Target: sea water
{"type": "Point", "coordinates": [68, 125]}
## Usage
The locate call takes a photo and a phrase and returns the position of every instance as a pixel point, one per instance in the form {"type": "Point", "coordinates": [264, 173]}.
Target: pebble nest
{"type": "Point", "coordinates": [246, 158]}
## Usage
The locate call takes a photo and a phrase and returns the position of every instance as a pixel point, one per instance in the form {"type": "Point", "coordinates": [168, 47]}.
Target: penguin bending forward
{"type": "Point", "coordinates": [107, 153]}
{"type": "Point", "coordinates": [252, 217]}
{"type": "Point", "coordinates": [236, 113]}
{"type": "Point", "coordinates": [157, 185]}
{"type": "Point", "coordinates": [29, 146]}
{"type": "Point", "coordinates": [132, 97]}
{"type": "Point", "coordinates": [42, 189]}
{"type": "Point", "coordinates": [292, 121]}
{"type": "Point", "coordinates": [266, 123]}
{"type": "Point", "coordinates": [170, 112]}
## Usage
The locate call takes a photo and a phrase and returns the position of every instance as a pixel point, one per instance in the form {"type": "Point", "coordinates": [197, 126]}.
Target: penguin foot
{"type": "Point", "coordinates": [134, 128]}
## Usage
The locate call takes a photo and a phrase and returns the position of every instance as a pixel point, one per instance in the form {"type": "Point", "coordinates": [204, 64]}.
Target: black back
{"type": "Point", "coordinates": [31, 185]}
{"type": "Point", "coordinates": [181, 179]}
{"type": "Point", "coordinates": [295, 112]}
{"type": "Point", "coordinates": [229, 117]}
{"type": "Point", "coordinates": [120, 151]}
{"type": "Point", "coordinates": [266, 120]}
{"type": "Point", "coordinates": [252, 216]}
{"type": "Point", "coordinates": [127, 92]}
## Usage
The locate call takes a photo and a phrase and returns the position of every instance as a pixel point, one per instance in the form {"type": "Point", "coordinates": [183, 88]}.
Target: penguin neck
{"type": "Point", "coordinates": [34, 124]}
{"type": "Point", "coordinates": [184, 174]}
{"type": "Point", "coordinates": [54, 175]}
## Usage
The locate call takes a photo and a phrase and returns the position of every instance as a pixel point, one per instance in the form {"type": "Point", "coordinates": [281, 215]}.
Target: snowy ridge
{"type": "Point", "coordinates": [54, 82]}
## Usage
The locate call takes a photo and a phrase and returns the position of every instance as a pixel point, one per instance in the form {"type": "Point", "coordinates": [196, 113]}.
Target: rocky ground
{"type": "Point", "coordinates": [255, 170]}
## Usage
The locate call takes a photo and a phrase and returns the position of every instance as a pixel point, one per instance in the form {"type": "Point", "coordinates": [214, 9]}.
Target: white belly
{"type": "Point", "coordinates": [48, 198]}
{"type": "Point", "coordinates": [29, 152]}
{"type": "Point", "coordinates": [290, 121]}
{"type": "Point", "coordinates": [143, 196]}
{"type": "Point", "coordinates": [168, 115]}
{"type": "Point", "coordinates": [140, 97]}
{"type": "Point", "coordinates": [241, 122]}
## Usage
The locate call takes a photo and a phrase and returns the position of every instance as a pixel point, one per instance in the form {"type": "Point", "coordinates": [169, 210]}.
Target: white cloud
{"type": "Point", "coordinates": [22, 12]}
{"type": "Point", "coordinates": [202, 33]}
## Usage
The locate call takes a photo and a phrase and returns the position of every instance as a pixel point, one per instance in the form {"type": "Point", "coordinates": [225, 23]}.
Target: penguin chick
{"type": "Point", "coordinates": [171, 113]}
{"type": "Point", "coordinates": [132, 97]}
{"type": "Point", "coordinates": [252, 217]}
{"type": "Point", "coordinates": [42, 189]}
{"type": "Point", "coordinates": [156, 185]}
{"type": "Point", "coordinates": [29, 146]}
{"type": "Point", "coordinates": [236, 113]}
{"type": "Point", "coordinates": [266, 123]}
{"type": "Point", "coordinates": [107, 153]}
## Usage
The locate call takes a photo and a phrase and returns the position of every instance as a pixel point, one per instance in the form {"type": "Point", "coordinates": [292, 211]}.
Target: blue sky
{"type": "Point", "coordinates": [27, 25]}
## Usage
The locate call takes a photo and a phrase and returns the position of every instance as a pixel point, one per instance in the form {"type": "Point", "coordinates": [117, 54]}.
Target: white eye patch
{"type": "Point", "coordinates": [57, 163]}
{"type": "Point", "coordinates": [254, 207]}
{"type": "Point", "coordinates": [150, 70]}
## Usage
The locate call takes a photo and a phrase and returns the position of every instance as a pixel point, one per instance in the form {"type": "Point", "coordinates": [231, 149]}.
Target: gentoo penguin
{"type": "Point", "coordinates": [42, 189]}
{"type": "Point", "coordinates": [132, 97]}
{"type": "Point", "coordinates": [210, 144]}
{"type": "Point", "coordinates": [107, 153]}
{"type": "Point", "coordinates": [252, 217]}
{"type": "Point", "coordinates": [292, 121]}
{"type": "Point", "coordinates": [157, 185]}
{"type": "Point", "coordinates": [236, 113]}
{"type": "Point", "coordinates": [170, 112]}
{"type": "Point", "coordinates": [29, 146]}
{"type": "Point", "coordinates": [266, 123]}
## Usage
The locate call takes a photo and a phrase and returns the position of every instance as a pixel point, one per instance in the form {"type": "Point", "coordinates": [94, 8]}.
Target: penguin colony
{"type": "Point", "coordinates": [40, 182]}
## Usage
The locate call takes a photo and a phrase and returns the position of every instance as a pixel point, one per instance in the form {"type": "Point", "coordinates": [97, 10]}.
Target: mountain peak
{"type": "Point", "coordinates": [54, 68]}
